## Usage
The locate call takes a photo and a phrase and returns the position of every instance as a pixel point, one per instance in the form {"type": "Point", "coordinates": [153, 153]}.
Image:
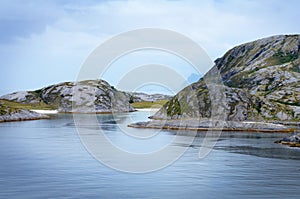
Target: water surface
{"type": "Point", "coordinates": [45, 158]}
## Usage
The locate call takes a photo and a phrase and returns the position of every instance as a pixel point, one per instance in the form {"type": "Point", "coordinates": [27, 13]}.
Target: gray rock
{"type": "Point", "coordinates": [9, 114]}
{"type": "Point", "coordinates": [207, 124]}
{"type": "Point", "coordinates": [293, 141]}
{"type": "Point", "coordinates": [261, 83]}
{"type": "Point", "coordinates": [84, 97]}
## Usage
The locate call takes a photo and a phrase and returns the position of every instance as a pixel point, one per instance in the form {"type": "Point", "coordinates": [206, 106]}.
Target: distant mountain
{"type": "Point", "coordinates": [261, 83]}
{"type": "Point", "coordinates": [139, 97]}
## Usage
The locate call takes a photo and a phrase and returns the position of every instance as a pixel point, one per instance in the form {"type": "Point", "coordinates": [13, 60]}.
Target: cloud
{"type": "Point", "coordinates": [46, 42]}
{"type": "Point", "coordinates": [22, 18]}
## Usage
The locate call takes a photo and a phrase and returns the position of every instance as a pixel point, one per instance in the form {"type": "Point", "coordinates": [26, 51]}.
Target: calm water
{"type": "Point", "coordinates": [45, 158]}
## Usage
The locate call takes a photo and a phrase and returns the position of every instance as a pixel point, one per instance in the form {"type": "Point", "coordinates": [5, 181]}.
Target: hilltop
{"type": "Point", "coordinates": [89, 96]}
{"type": "Point", "coordinates": [261, 81]}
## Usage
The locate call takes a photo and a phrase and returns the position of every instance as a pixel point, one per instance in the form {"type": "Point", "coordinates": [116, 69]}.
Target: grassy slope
{"type": "Point", "coordinates": [16, 105]}
{"type": "Point", "coordinates": [149, 104]}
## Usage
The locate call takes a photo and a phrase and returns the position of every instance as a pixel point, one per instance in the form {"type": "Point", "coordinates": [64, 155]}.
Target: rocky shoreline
{"type": "Point", "coordinates": [206, 124]}
{"type": "Point", "coordinates": [21, 115]}
{"type": "Point", "coordinates": [292, 141]}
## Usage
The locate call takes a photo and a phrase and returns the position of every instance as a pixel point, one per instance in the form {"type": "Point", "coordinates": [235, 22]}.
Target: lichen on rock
{"type": "Point", "coordinates": [261, 81]}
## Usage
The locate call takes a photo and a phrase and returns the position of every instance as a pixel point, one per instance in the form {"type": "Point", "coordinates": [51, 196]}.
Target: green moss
{"type": "Point", "coordinates": [281, 58]}
{"type": "Point", "coordinates": [184, 107]}
{"type": "Point", "coordinates": [295, 68]}
{"type": "Point", "coordinates": [173, 107]}
{"type": "Point", "coordinates": [3, 110]}
{"type": "Point", "coordinates": [288, 103]}
{"type": "Point", "coordinates": [38, 92]}
{"type": "Point", "coordinates": [285, 57]}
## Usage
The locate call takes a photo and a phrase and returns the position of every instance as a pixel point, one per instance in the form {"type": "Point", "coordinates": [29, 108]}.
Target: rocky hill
{"type": "Point", "coordinates": [261, 83]}
{"type": "Point", "coordinates": [83, 97]}
{"type": "Point", "coordinates": [91, 96]}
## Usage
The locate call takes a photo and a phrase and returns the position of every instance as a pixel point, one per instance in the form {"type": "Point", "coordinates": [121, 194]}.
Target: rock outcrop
{"type": "Point", "coordinates": [261, 83]}
{"type": "Point", "coordinates": [292, 141]}
{"type": "Point", "coordinates": [9, 114]}
{"type": "Point", "coordinates": [83, 97]}
{"type": "Point", "coordinates": [206, 124]}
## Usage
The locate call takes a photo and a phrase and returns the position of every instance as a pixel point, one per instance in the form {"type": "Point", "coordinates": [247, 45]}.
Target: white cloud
{"type": "Point", "coordinates": [67, 33]}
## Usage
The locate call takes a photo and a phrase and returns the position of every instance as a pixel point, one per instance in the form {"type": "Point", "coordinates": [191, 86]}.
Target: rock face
{"type": "Point", "coordinates": [8, 114]}
{"type": "Point", "coordinates": [292, 141]}
{"type": "Point", "coordinates": [84, 97]}
{"type": "Point", "coordinates": [206, 124]}
{"type": "Point", "coordinates": [261, 83]}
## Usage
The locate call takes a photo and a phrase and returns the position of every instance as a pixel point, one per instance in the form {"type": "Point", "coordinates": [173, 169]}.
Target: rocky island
{"type": "Point", "coordinates": [261, 81]}
{"type": "Point", "coordinates": [261, 91]}
{"type": "Point", "coordinates": [90, 96]}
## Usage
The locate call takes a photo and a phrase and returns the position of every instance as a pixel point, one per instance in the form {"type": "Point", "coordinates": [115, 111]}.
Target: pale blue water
{"type": "Point", "coordinates": [45, 159]}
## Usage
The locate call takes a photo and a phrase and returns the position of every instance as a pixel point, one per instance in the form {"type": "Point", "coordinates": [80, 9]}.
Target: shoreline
{"type": "Point", "coordinates": [104, 112]}
{"type": "Point", "coordinates": [213, 129]}
{"type": "Point", "coordinates": [188, 124]}
{"type": "Point", "coordinates": [147, 109]}
{"type": "Point", "coordinates": [207, 125]}
{"type": "Point", "coordinates": [25, 119]}
{"type": "Point", "coordinates": [22, 115]}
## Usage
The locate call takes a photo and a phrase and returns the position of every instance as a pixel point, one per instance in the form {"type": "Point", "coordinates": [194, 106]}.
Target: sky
{"type": "Point", "coordinates": [46, 42]}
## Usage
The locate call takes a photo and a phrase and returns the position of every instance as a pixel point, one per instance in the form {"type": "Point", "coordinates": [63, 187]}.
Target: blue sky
{"type": "Point", "coordinates": [46, 42]}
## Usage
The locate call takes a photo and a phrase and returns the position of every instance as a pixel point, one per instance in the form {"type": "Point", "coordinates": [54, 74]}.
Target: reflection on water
{"type": "Point", "coordinates": [264, 152]}
{"type": "Point", "coordinates": [257, 144]}
{"type": "Point", "coordinates": [45, 158]}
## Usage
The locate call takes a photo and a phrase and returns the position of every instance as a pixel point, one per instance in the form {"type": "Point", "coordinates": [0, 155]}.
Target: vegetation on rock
{"type": "Point", "coordinates": [10, 113]}
{"type": "Point", "coordinates": [84, 97]}
{"type": "Point", "coordinates": [147, 104]}
{"type": "Point", "coordinates": [261, 81]}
